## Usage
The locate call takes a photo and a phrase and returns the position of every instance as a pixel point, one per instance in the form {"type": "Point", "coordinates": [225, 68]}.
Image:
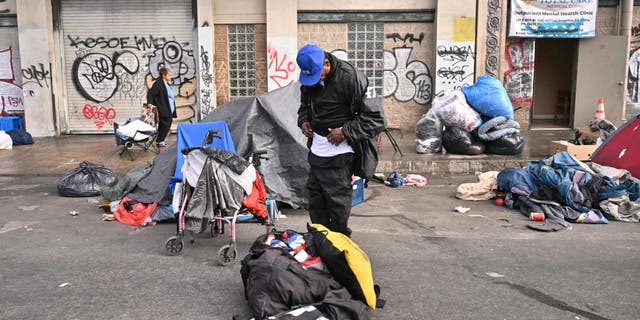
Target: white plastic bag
{"type": "Point", "coordinates": [453, 111]}
{"type": "Point", "coordinates": [5, 141]}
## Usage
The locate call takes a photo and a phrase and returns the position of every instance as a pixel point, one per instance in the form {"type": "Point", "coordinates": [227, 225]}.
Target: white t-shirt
{"type": "Point", "coordinates": [323, 148]}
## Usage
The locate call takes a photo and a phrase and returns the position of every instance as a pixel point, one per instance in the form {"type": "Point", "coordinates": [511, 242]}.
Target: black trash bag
{"type": "Point", "coordinates": [20, 136]}
{"type": "Point", "coordinates": [456, 140]}
{"type": "Point", "coordinates": [508, 145]}
{"type": "Point", "coordinates": [86, 180]}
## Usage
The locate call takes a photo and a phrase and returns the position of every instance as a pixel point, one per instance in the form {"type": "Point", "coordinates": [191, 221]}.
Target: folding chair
{"type": "Point", "coordinates": [138, 134]}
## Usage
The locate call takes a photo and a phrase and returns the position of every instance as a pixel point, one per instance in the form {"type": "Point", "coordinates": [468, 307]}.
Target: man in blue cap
{"type": "Point", "coordinates": [340, 126]}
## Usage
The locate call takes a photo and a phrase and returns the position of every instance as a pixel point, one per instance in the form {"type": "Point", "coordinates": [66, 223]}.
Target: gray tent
{"type": "Point", "coordinates": [271, 119]}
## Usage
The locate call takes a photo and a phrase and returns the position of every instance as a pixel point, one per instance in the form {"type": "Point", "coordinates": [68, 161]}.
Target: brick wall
{"type": "Point", "coordinates": [404, 103]}
{"type": "Point", "coordinates": [261, 59]}
{"type": "Point", "coordinates": [221, 64]}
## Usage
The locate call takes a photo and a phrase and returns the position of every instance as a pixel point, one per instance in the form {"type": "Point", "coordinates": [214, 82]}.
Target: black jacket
{"type": "Point", "coordinates": [159, 97]}
{"type": "Point", "coordinates": [345, 89]}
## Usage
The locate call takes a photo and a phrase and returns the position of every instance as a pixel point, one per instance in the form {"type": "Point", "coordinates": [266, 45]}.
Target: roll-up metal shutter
{"type": "Point", "coordinates": [112, 52]}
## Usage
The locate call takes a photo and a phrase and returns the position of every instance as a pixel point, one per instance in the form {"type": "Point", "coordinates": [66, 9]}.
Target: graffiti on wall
{"type": "Point", "coordinates": [281, 65]}
{"type": "Point", "coordinates": [206, 80]}
{"type": "Point", "coordinates": [518, 78]}
{"type": "Point", "coordinates": [455, 63]}
{"type": "Point", "coordinates": [11, 94]}
{"type": "Point", "coordinates": [407, 38]}
{"type": "Point", "coordinates": [101, 75]}
{"type": "Point", "coordinates": [95, 77]}
{"type": "Point", "coordinates": [406, 79]}
{"type": "Point", "coordinates": [38, 75]}
{"type": "Point", "coordinates": [101, 116]}
{"type": "Point", "coordinates": [138, 43]}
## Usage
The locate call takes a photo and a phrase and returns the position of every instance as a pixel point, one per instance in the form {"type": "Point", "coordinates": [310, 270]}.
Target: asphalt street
{"type": "Point", "coordinates": [431, 262]}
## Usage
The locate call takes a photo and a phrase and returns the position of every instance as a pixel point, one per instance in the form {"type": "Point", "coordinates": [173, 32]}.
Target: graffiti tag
{"type": "Point", "coordinates": [408, 37]}
{"type": "Point", "coordinates": [37, 74]}
{"type": "Point", "coordinates": [100, 115]}
{"type": "Point", "coordinates": [406, 79]}
{"type": "Point", "coordinates": [281, 68]}
{"type": "Point", "coordinates": [94, 75]}
{"type": "Point", "coordinates": [140, 43]}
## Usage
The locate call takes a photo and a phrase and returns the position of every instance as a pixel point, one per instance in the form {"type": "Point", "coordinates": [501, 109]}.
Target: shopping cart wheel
{"type": "Point", "coordinates": [173, 246]}
{"type": "Point", "coordinates": [225, 256]}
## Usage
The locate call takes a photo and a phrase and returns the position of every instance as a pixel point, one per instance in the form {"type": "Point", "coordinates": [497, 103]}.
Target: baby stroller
{"type": "Point", "coordinates": [213, 193]}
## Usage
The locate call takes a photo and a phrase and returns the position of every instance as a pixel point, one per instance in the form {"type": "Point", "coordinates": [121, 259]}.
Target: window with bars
{"type": "Point", "coordinates": [365, 49]}
{"type": "Point", "coordinates": [242, 62]}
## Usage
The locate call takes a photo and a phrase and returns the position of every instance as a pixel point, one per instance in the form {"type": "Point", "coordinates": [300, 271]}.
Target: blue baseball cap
{"type": "Point", "coordinates": [311, 61]}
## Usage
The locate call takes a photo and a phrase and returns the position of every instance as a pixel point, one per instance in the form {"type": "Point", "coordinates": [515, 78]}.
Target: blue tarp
{"type": "Point", "coordinates": [193, 134]}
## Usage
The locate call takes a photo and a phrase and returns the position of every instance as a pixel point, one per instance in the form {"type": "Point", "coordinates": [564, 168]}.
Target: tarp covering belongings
{"type": "Point", "coordinates": [622, 150]}
{"type": "Point", "coordinates": [271, 119]}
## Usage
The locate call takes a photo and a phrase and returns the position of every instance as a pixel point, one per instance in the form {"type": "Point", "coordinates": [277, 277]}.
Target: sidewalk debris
{"type": "Point", "coordinates": [461, 209]}
{"type": "Point", "coordinates": [28, 208]}
{"type": "Point", "coordinates": [494, 275]}
{"type": "Point", "coordinates": [74, 213]}
{"type": "Point", "coordinates": [62, 285]}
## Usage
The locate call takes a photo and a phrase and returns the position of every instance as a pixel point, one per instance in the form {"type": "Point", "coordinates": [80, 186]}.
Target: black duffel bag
{"type": "Point", "coordinates": [86, 180]}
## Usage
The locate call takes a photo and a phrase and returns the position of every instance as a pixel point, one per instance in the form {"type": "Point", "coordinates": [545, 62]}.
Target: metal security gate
{"type": "Point", "coordinates": [112, 51]}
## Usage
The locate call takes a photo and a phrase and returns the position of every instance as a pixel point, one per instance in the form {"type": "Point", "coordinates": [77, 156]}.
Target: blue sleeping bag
{"type": "Point", "coordinates": [489, 97]}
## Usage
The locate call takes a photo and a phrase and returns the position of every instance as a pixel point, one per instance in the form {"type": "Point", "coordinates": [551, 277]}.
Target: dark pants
{"type": "Point", "coordinates": [330, 197]}
{"type": "Point", "coordinates": [164, 125]}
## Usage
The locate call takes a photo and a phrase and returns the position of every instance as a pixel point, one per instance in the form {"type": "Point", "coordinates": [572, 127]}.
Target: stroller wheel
{"type": "Point", "coordinates": [225, 257]}
{"type": "Point", "coordinates": [173, 246]}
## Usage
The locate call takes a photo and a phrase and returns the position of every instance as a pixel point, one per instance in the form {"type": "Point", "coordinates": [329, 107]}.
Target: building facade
{"type": "Point", "coordinates": [75, 67]}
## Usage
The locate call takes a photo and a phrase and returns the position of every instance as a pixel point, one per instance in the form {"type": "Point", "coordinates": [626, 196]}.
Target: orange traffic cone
{"type": "Point", "coordinates": [600, 111]}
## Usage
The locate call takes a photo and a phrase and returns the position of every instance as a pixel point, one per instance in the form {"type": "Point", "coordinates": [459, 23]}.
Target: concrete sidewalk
{"type": "Point", "coordinates": [54, 156]}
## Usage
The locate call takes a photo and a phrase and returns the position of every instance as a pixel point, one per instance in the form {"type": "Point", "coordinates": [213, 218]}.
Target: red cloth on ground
{"type": "Point", "coordinates": [254, 202]}
{"type": "Point", "coordinates": [134, 213]}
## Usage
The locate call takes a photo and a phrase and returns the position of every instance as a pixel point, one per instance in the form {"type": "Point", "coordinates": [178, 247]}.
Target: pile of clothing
{"type": "Point", "coordinates": [320, 268]}
{"type": "Point", "coordinates": [473, 120]}
{"type": "Point", "coordinates": [569, 191]}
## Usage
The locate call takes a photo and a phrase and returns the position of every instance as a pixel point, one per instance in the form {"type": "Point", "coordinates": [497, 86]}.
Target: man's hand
{"type": "Point", "coordinates": [306, 129]}
{"type": "Point", "coordinates": [335, 136]}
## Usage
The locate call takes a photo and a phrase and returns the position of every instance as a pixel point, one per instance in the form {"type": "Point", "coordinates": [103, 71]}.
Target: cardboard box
{"type": "Point", "coordinates": [581, 152]}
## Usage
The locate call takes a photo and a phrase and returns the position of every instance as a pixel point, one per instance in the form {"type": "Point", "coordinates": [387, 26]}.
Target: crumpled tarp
{"type": "Point", "coordinates": [272, 119]}
{"type": "Point", "coordinates": [155, 186]}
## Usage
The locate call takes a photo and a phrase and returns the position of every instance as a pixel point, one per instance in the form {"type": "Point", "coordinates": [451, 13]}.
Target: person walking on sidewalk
{"type": "Point", "coordinates": [340, 126]}
{"type": "Point", "coordinates": [161, 96]}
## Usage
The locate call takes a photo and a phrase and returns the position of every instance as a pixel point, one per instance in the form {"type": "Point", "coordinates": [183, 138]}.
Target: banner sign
{"type": "Point", "coordinates": [553, 18]}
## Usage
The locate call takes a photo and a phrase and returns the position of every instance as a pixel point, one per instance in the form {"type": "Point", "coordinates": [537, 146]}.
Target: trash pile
{"type": "Point", "coordinates": [323, 269]}
{"type": "Point", "coordinates": [560, 190]}
{"type": "Point", "coordinates": [473, 120]}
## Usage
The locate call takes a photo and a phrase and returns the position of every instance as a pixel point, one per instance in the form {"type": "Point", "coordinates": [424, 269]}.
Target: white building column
{"type": "Point", "coordinates": [282, 43]}
{"type": "Point", "coordinates": [205, 50]}
{"type": "Point", "coordinates": [35, 33]}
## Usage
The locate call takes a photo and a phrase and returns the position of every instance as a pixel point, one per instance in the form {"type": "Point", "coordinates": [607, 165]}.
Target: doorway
{"type": "Point", "coordinates": [553, 82]}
